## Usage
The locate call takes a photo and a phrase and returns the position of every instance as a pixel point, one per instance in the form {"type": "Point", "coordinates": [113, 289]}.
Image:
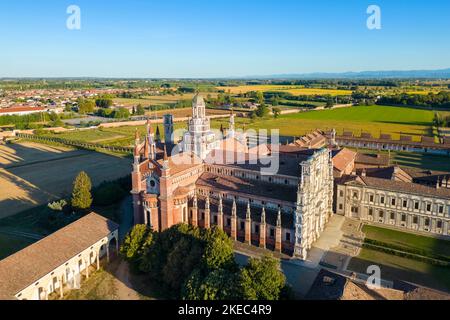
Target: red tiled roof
{"type": "Point", "coordinates": [21, 109]}
{"type": "Point", "coordinates": [343, 158]}
{"type": "Point", "coordinates": [23, 268]}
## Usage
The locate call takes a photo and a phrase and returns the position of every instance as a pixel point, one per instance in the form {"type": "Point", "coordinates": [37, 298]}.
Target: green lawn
{"type": "Point", "coordinates": [372, 119]}
{"type": "Point", "coordinates": [398, 268]}
{"type": "Point", "coordinates": [378, 114]}
{"type": "Point", "coordinates": [99, 286]}
{"type": "Point", "coordinates": [408, 240]}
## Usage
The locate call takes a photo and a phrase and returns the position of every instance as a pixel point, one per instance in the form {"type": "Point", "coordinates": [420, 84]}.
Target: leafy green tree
{"type": "Point", "coordinates": [81, 194]}
{"type": "Point", "coordinates": [85, 106]}
{"type": "Point", "coordinates": [219, 284]}
{"type": "Point", "coordinates": [121, 113]}
{"type": "Point", "coordinates": [259, 97]}
{"type": "Point", "coordinates": [261, 279]}
{"type": "Point", "coordinates": [104, 102]}
{"type": "Point", "coordinates": [262, 111]}
{"type": "Point", "coordinates": [274, 101]}
{"type": "Point", "coordinates": [329, 104]}
{"type": "Point", "coordinates": [276, 112]}
{"type": "Point", "coordinates": [218, 252]}
{"type": "Point", "coordinates": [136, 242]}
{"type": "Point", "coordinates": [140, 111]}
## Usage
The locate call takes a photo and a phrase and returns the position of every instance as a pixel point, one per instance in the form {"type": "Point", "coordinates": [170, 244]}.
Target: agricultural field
{"type": "Point", "coordinates": [183, 112]}
{"type": "Point", "coordinates": [162, 100]}
{"type": "Point", "coordinates": [373, 119]}
{"type": "Point", "coordinates": [294, 90]}
{"type": "Point", "coordinates": [394, 267]}
{"type": "Point", "coordinates": [116, 136]}
{"type": "Point", "coordinates": [32, 174]}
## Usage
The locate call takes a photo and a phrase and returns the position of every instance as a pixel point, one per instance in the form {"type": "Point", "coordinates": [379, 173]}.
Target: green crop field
{"type": "Point", "coordinates": [372, 119]}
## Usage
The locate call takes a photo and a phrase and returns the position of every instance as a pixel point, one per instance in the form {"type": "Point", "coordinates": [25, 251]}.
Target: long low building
{"type": "Point", "coordinates": [396, 203]}
{"type": "Point", "coordinates": [57, 262]}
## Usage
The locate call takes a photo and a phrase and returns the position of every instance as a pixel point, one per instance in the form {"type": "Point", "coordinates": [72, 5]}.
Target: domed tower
{"type": "Point", "coordinates": [199, 138]}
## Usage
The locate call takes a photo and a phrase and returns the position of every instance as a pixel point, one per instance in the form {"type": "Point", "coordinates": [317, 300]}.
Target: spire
{"type": "Point", "coordinates": [220, 204]}
{"type": "Point", "coordinates": [263, 215]}
{"type": "Point", "coordinates": [165, 160]}
{"type": "Point", "coordinates": [279, 218]}
{"type": "Point", "coordinates": [194, 201]}
{"type": "Point", "coordinates": [136, 137]}
{"type": "Point", "coordinates": [234, 209]}
{"type": "Point", "coordinates": [207, 202]}
{"type": "Point", "coordinates": [147, 149]}
{"type": "Point", "coordinates": [158, 134]}
{"type": "Point", "coordinates": [165, 154]}
{"type": "Point", "coordinates": [231, 126]}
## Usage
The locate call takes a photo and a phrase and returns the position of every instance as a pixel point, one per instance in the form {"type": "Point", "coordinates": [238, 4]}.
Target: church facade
{"type": "Point", "coordinates": [212, 180]}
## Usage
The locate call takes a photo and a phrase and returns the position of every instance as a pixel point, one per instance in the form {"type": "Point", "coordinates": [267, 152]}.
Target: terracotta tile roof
{"type": "Point", "coordinates": [386, 139]}
{"type": "Point", "coordinates": [400, 186]}
{"type": "Point", "coordinates": [372, 159]}
{"type": "Point", "coordinates": [182, 161]}
{"type": "Point", "coordinates": [343, 159]}
{"type": "Point", "coordinates": [289, 166]}
{"type": "Point", "coordinates": [257, 188]}
{"type": "Point", "coordinates": [391, 173]}
{"type": "Point", "coordinates": [25, 267]}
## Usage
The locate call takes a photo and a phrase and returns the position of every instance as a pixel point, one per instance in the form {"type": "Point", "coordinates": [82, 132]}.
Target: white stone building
{"type": "Point", "coordinates": [199, 138]}
{"type": "Point", "coordinates": [399, 204]}
{"type": "Point", "coordinates": [58, 261]}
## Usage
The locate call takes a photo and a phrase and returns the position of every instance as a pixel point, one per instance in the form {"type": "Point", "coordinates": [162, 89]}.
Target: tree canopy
{"type": "Point", "coordinates": [198, 264]}
{"type": "Point", "coordinates": [81, 194]}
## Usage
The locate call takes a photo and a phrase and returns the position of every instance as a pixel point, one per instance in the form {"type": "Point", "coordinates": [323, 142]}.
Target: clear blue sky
{"type": "Point", "coordinates": [218, 38]}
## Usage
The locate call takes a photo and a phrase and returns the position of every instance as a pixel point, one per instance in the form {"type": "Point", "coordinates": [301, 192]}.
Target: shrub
{"type": "Point", "coordinates": [57, 205]}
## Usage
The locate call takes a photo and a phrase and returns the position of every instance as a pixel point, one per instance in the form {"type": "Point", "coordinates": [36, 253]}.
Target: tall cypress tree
{"type": "Point", "coordinates": [81, 194]}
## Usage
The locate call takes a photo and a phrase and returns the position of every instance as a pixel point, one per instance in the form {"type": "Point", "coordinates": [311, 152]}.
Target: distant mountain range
{"type": "Point", "coordinates": [394, 74]}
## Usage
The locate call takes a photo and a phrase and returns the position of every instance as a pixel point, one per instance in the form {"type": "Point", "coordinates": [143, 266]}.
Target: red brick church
{"type": "Point", "coordinates": [209, 179]}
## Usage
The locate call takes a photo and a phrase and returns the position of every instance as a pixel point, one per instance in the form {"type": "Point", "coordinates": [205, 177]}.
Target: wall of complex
{"type": "Point", "coordinates": [409, 211]}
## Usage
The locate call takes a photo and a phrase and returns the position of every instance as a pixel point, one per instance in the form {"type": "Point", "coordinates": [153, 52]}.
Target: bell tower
{"type": "Point", "coordinates": [199, 138]}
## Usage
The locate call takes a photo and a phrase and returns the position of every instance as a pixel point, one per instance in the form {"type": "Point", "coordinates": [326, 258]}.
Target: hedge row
{"type": "Point", "coordinates": [403, 254]}
{"type": "Point", "coordinates": [419, 252]}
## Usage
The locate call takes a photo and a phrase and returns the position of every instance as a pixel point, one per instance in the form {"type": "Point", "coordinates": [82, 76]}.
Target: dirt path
{"type": "Point", "coordinates": [124, 289]}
